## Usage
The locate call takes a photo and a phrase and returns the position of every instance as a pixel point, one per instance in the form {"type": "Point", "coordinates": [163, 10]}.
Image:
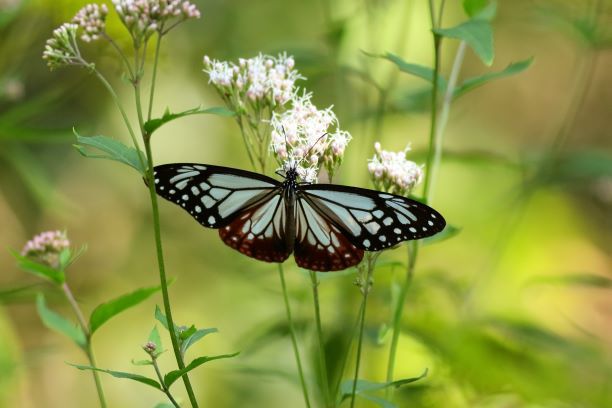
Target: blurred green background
{"type": "Point", "coordinates": [514, 311]}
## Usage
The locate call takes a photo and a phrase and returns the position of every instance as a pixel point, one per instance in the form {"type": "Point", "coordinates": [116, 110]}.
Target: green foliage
{"type": "Point", "coordinates": [172, 376]}
{"type": "Point", "coordinates": [473, 7]}
{"type": "Point", "coordinates": [575, 280]}
{"type": "Point", "coordinates": [105, 311]}
{"type": "Point", "coordinates": [154, 124]}
{"type": "Point", "coordinates": [477, 33]}
{"type": "Point", "coordinates": [195, 337]}
{"type": "Point", "coordinates": [472, 83]}
{"type": "Point", "coordinates": [59, 324]}
{"type": "Point", "coordinates": [417, 70]}
{"type": "Point", "coordinates": [120, 374]}
{"type": "Point", "coordinates": [43, 271]}
{"type": "Point", "coordinates": [112, 150]}
{"type": "Point", "coordinates": [364, 388]}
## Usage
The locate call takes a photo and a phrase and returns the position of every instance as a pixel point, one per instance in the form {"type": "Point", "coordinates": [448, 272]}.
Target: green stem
{"type": "Point", "coordinates": [296, 350]}
{"type": "Point", "coordinates": [155, 63]}
{"type": "Point", "coordinates": [88, 348]}
{"type": "Point", "coordinates": [371, 260]}
{"type": "Point", "coordinates": [432, 155]}
{"type": "Point", "coordinates": [162, 271]}
{"type": "Point", "coordinates": [161, 381]}
{"type": "Point", "coordinates": [121, 55]}
{"type": "Point", "coordinates": [322, 364]}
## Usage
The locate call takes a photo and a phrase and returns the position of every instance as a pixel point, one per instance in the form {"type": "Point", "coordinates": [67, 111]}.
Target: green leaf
{"type": "Point", "coordinates": [162, 319]}
{"type": "Point", "coordinates": [477, 33]}
{"type": "Point", "coordinates": [111, 149]}
{"type": "Point", "coordinates": [480, 9]}
{"type": "Point", "coordinates": [472, 83]}
{"type": "Point", "coordinates": [381, 402]}
{"type": "Point", "coordinates": [142, 362]}
{"type": "Point", "coordinates": [120, 374]}
{"type": "Point", "coordinates": [155, 338]}
{"type": "Point", "coordinates": [417, 70]}
{"type": "Point", "coordinates": [154, 124]}
{"type": "Point", "coordinates": [448, 232]}
{"type": "Point", "coordinates": [164, 405]}
{"type": "Point", "coordinates": [105, 311]}
{"type": "Point", "coordinates": [195, 337]}
{"type": "Point", "coordinates": [363, 386]}
{"type": "Point", "coordinates": [56, 322]}
{"type": "Point", "coordinates": [38, 269]}
{"type": "Point", "coordinates": [172, 376]}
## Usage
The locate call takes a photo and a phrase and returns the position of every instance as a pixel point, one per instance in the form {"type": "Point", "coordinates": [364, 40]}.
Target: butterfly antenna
{"type": "Point", "coordinates": [314, 144]}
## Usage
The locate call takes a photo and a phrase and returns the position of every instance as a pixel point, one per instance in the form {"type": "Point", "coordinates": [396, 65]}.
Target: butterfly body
{"type": "Point", "coordinates": [326, 226]}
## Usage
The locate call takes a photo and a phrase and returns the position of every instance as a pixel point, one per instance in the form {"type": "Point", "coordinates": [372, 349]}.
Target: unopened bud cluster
{"type": "Point", "coordinates": [149, 347]}
{"type": "Point", "coordinates": [92, 20]}
{"type": "Point", "coordinates": [61, 49]}
{"type": "Point", "coordinates": [255, 80]}
{"type": "Point", "coordinates": [46, 248]}
{"type": "Point", "coordinates": [306, 138]}
{"type": "Point", "coordinates": [392, 172]}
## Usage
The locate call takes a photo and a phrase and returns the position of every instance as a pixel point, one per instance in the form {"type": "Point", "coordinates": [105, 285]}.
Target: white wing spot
{"type": "Point", "coordinates": [372, 227]}
{"type": "Point", "coordinates": [162, 188]}
{"type": "Point", "coordinates": [199, 167]}
{"type": "Point", "coordinates": [331, 249]}
{"type": "Point", "coordinates": [204, 186]}
{"type": "Point", "coordinates": [433, 216]}
{"type": "Point", "coordinates": [156, 181]}
{"type": "Point", "coordinates": [246, 226]}
{"type": "Point", "coordinates": [195, 190]}
{"type": "Point", "coordinates": [412, 229]}
{"type": "Point", "coordinates": [378, 213]}
{"type": "Point", "coordinates": [424, 228]}
{"type": "Point", "coordinates": [430, 223]}
{"type": "Point", "coordinates": [181, 184]}
{"type": "Point", "coordinates": [184, 176]}
{"type": "Point", "coordinates": [388, 221]}
{"type": "Point", "coordinates": [250, 236]}
{"type": "Point", "coordinates": [172, 191]}
{"type": "Point", "coordinates": [198, 209]}
{"type": "Point", "coordinates": [385, 196]}
{"type": "Point", "coordinates": [211, 220]}
{"type": "Point", "coordinates": [397, 231]}
{"type": "Point", "coordinates": [382, 238]}
{"type": "Point", "coordinates": [219, 193]}
{"type": "Point", "coordinates": [207, 201]}
{"type": "Point", "coordinates": [403, 219]}
{"type": "Point", "coordinates": [366, 243]}
{"type": "Point", "coordinates": [185, 197]}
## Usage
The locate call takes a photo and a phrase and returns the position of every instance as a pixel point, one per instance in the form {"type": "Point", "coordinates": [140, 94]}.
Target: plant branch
{"type": "Point", "coordinates": [163, 385]}
{"type": "Point", "coordinates": [322, 363]}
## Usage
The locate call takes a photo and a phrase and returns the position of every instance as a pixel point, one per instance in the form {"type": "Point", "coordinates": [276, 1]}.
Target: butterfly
{"type": "Point", "coordinates": [327, 226]}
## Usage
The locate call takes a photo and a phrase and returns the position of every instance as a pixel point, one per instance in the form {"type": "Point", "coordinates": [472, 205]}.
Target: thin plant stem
{"type": "Point", "coordinates": [371, 260]}
{"type": "Point", "coordinates": [88, 348]}
{"type": "Point", "coordinates": [162, 271]}
{"type": "Point", "coordinates": [121, 55]}
{"type": "Point", "coordinates": [296, 350]}
{"type": "Point", "coordinates": [163, 385]}
{"type": "Point", "coordinates": [322, 364]}
{"type": "Point", "coordinates": [154, 77]}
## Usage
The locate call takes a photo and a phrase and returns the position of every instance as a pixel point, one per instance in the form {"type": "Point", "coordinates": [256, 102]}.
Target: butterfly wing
{"type": "Point", "coordinates": [372, 220]}
{"type": "Point", "coordinates": [320, 245]}
{"type": "Point", "coordinates": [213, 195]}
{"type": "Point", "coordinates": [247, 208]}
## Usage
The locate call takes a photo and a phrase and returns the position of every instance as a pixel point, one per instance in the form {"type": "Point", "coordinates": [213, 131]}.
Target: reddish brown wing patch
{"type": "Point", "coordinates": [320, 245]}
{"type": "Point", "coordinates": [259, 232]}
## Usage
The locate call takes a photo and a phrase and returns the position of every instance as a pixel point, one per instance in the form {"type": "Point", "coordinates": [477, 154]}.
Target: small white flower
{"type": "Point", "coordinates": [392, 172]}
{"type": "Point", "coordinates": [92, 19]}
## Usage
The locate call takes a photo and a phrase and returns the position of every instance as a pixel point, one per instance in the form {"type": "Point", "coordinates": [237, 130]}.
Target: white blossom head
{"type": "Point", "coordinates": [260, 79]}
{"type": "Point", "coordinates": [142, 18]}
{"type": "Point", "coordinates": [307, 138]}
{"type": "Point", "coordinates": [46, 248]}
{"type": "Point", "coordinates": [92, 20]}
{"type": "Point", "coordinates": [392, 172]}
{"type": "Point", "coordinates": [62, 48]}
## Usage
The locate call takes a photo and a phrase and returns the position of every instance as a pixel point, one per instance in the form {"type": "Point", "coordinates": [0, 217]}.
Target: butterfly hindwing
{"type": "Point", "coordinates": [213, 195]}
{"type": "Point", "coordinates": [373, 220]}
{"type": "Point", "coordinates": [319, 244]}
{"type": "Point", "coordinates": [259, 231]}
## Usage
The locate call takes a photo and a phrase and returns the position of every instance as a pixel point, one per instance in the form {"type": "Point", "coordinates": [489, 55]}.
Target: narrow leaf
{"type": "Point", "coordinates": [155, 338]}
{"type": "Point", "coordinates": [195, 337]}
{"type": "Point", "coordinates": [110, 149]}
{"type": "Point", "coordinates": [154, 124]}
{"type": "Point", "coordinates": [142, 362]}
{"type": "Point", "coordinates": [417, 70]}
{"type": "Point", "coordinates": [472, 83]}
{"type": "Point", "coordinates": [162, 319]}
{"type": "Point", "coordinates": [120, 374]}
{"type": "Point", "coordinates": [38, 269]}
{"type": "Point", "coordinates": [448, 232]}
{"type": "Point", "coordinates": [477, 34]}
{"type": "Point", "coordinates": [58, 323]}
{"type": "Point", "coordinates": [346, 388]}
{"type": "Point", "coordinates": [172, 376]}
{"type": "Point", "coordinates": [105, 311]}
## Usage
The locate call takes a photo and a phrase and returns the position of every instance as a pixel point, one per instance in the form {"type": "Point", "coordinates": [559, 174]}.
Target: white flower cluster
{"type": "Point", "coordinates": [307, 138]}
{"type": "Point", "coordinates": [46, 247]}
{"type": "Point", "coordinates": [61, 49]}
{"type": "Point", "coordinates": [92, 19]}
{"type": "Point", "coordinates": [255, 79]}
{"type": "Point", "coordinates": [392, 172]}
{"type": "Point", "coordinates": [144, 17]}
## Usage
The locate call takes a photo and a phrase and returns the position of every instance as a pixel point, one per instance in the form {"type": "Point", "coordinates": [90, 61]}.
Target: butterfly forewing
{"type": "Point", "coordinates": [213, 195]}
{"type": "Point", "coordinates": [259, 231]}
{"type": "Point", "coordinates": [372, 220]}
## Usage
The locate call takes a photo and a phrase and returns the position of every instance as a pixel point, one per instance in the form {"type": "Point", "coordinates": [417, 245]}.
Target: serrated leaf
{"type": "Point", "coordinates": [106, 311]}
{"type": "Point", "coordinates": [417, 70]}
{"type": "Point", "coordinates": [59, 324]}
{"type": "Point", "coordinates": [475, 82]}
{"type": "Point", "coordinates": [363, 386]}
{"type": "Point", "coordinates": [195, 337]}
{"type": "Point", "coordinates": [448, 232]}
{"type": "Point", "coordinates": [120, 374]}
{"type": "Point", "coordinates": [111, 149]}
{"type": "Point", "coordinates": [152, 125]}
{"type": "Point", "coordinates": [38, 269]}
{"type": "Point", "coordinates": [477, 33]}
{"type": "Point", "coordinates": [172, 376]}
